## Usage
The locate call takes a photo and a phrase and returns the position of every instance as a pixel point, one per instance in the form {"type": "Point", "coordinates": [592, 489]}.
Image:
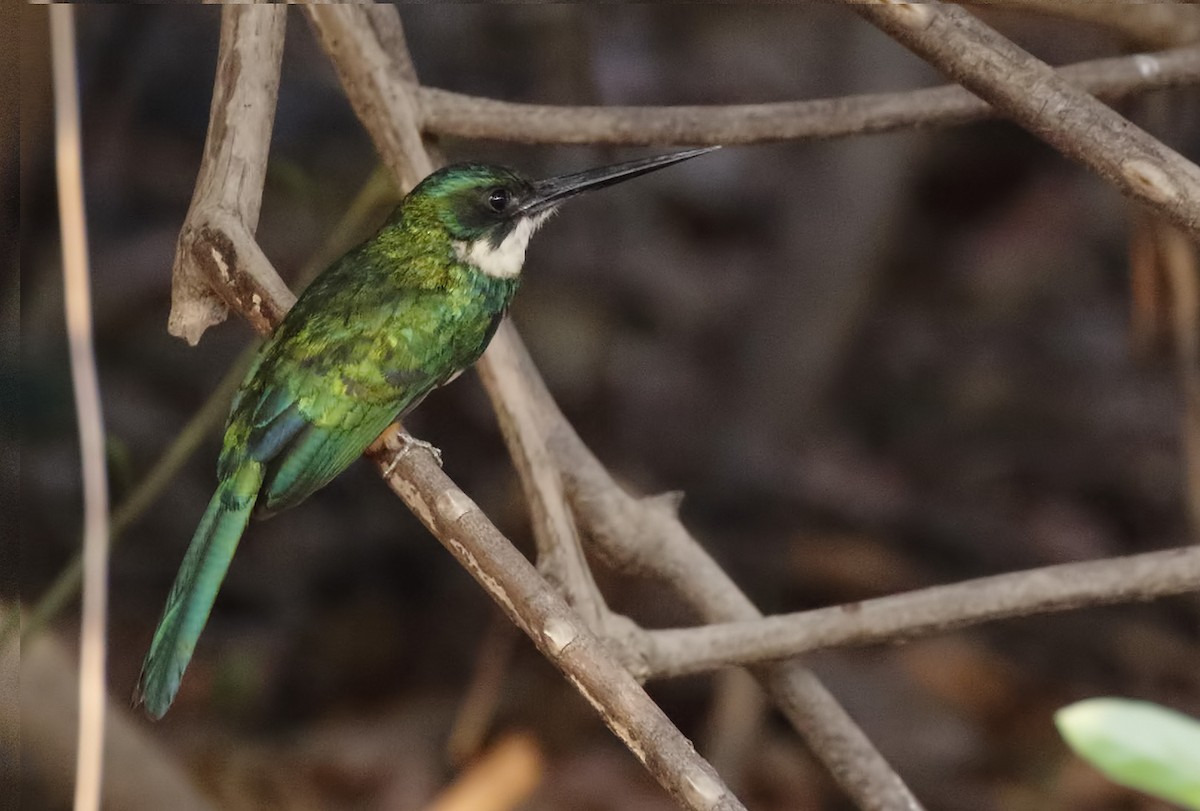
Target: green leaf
{"type": "Point", "coordinates": [1137, 744]}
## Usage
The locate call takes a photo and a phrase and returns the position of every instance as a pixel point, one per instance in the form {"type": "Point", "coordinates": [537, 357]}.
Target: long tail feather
{"type": "Point", "coordinates": [196, 587]}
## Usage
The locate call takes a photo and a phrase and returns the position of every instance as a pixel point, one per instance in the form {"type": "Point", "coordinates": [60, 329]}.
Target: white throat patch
{"type": "Point", "coordinates": [505, 260]}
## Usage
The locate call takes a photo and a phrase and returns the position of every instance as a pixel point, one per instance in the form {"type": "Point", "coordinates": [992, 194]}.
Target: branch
{"type": "Point", "coordinates": [1144, 25]}
{"type": "Point", "coordinates": [225, 204]}
{"type": "Point", "coordinates": [900, 617]}
{"type": "Point", "coordinates": [557, 631]}
{"type": "Point", "coordinates": [447, 113]}
{"type": "Point", "coordinates": [374, 78]}
{"type": "Point", "coordinates": [559, 552]}
{"type": "Point", "coordinates": [1028, 91]}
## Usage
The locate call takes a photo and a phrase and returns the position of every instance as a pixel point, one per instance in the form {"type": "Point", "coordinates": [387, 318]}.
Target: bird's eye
{"type": "Point", "coordinates": [498, 199]}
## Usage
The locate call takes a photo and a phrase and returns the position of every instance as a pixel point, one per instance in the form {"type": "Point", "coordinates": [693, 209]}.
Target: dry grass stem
{"type": "Point", "coordinates": [77, 293]}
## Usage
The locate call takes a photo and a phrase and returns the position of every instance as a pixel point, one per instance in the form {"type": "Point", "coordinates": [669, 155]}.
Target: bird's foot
{"type": "Point", "coordinates": [407, 443]}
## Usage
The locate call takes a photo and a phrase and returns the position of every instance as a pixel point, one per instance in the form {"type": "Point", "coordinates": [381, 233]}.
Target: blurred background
{"type": "Point", "coordinates": [872, 364]}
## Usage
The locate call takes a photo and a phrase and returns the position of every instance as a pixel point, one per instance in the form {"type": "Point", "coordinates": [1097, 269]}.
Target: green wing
{"type": "Point", "coordinates": [317, 454]}
{"type": "Point", "coordinates": [307, 430]}
{"type": "Point", "coordinates": [336, 373]}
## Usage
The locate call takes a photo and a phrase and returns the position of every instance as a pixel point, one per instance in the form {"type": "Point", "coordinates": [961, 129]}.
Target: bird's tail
{"type": "Point", "coordinates": [195, 588]}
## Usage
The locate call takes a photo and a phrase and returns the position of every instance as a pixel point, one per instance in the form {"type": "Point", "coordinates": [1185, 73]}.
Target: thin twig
{"type": "Point", "coordinates": [1144, 25]}
{"type": "Point", "coordinates": [1029, 92]}
{"type": "Point", "coordinates": [447, 113]}
{"type": "Point", "coordinates": [939, 609]}
{"type": "Point", "coordinates": [69, 164]}
{"type": "Point", "coordinates": [557, 631]}
{"type": "Point", "coordinates": [559, 552]}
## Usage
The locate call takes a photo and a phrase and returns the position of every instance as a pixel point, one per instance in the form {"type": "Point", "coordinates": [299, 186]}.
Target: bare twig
{"type": "Point", "coordinates": [1145, 25]}
{"type": "Point", "coordinates": [1027, 90]}
{"type": "Point", "coordinates": [934, 610]}
{"type": "Point", "coordinates": [505, 370]}
{"type": "Point", "coordinates": [77, 293]}
{"type": "Point", "coordinates": [447, 113]}
{"type": "Point", "coordinates": [374, 80]}
{"type": "Point", "coordinates": [225, 205]}
{"type": "Point", "coordinates": [559, 553]}
{"type": "Point", "coordinates": [557, 631]}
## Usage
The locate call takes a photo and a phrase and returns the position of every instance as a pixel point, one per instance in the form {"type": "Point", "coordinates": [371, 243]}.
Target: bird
{"type": "Point", "coordinates": [395, 318]}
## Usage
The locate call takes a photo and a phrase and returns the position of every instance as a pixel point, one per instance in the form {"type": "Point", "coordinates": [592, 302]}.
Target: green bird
{"type": "Point", "coordinates": [390, 321]}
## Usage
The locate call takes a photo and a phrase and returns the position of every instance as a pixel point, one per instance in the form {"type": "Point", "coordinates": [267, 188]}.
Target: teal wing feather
{"type": "Point", "coordinates": [195, 588]}
{"type": "Point", "coordinates": [317, 454]}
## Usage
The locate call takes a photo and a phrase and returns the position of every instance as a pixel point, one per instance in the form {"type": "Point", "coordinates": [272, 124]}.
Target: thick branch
{"type": "Point", "coordinates": [229, 186]}
{"type": "Point", "coordinates": [447, 113]}
{"type": "Point", "coordinates": [934, 610]}
{"type": "Point", "coordinates": [1028, 91]}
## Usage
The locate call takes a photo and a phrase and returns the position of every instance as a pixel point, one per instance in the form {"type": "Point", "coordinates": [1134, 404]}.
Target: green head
{"type": "Point", "coordinates": [490, 212]}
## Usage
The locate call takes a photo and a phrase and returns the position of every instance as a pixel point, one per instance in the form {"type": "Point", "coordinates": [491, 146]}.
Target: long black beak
{"type": "Point", "coordinates": [552, 191]}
